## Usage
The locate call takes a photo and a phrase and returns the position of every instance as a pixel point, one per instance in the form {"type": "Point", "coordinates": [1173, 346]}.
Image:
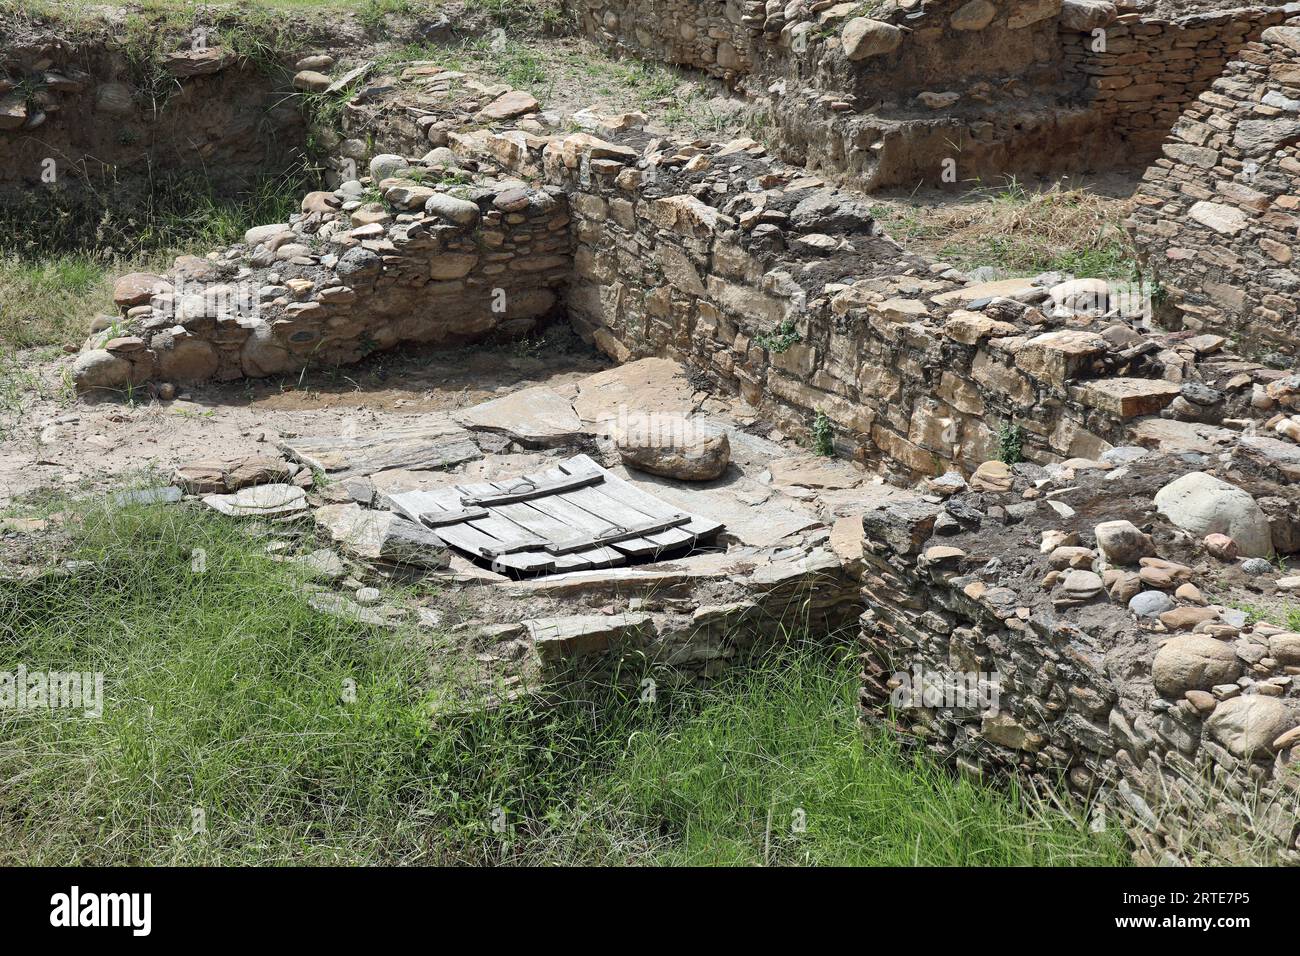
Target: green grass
{"type": "Point", "coordinates": [224, 693]}
{"type": "Point", "coordinates": [57, 269]}
{"type": "Point", "coordinates": [1021, 232]}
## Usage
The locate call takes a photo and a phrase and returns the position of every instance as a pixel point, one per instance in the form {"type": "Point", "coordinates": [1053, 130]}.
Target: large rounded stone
{"type": "Point", "coordinates": [1150, 603]}
{"type": "Point", "coordinates": [262, 355]}
{"type": "Point", "coordinates": [1285, 648]}
{"type": "Point", "coordinates": [1201, 504]}
{"type": "Point", "coordinates": [975, 15]}
{"type": "Point", "coordinates": [673, 447]}
{"type": "Point", "coordinates": [188, 361]}
{"type": "Point", "coordinates": [99, 368]}
{"type": "Point", "coordinates": [460, 212]}
{"type": "Point", "coordinates": [1248, 726]}
{"type": "Point", "coordinates": [311, 81]}
{"type": "Point", "coordinates": [1193, 662]}
{"type": "Point", "coordinates": [1122, 542]}
{"type": "Point", "coordinates": [387, 165]}
{"type": "Point", "coordinates": [137, 288]}
{"type": "Point", "coordinates": [863, 38]}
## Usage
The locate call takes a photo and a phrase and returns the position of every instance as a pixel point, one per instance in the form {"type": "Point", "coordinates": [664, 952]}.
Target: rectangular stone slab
{"type": "Point", "coordinates": [424, 445]}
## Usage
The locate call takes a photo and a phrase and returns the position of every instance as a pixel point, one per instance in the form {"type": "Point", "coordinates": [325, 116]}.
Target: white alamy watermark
{"type": "Point", "coordinates": [75, 908]}
{"type": "Point", "coordinates": [949, 690]}
{"type": "Point", "coordinates": [39, 692]}
{"type": "Point", "coordinates": [191, 299]}
{"type": "Point", "coordinates": [651, 429]}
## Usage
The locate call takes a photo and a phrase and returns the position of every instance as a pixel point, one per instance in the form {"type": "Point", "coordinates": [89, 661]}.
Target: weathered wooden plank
{"type": "Point", "coordinates": [614, 536]}
{"type": "Point", "coordinates": [511, 496]}
{"type": "Point", "coordinates": [547, 526]}
{"type": "Point", "coordinates": [441, 519]}
{"type": "Point", "coordinates": [486, 537]}
{"type": "Point", "coordinates": [561, 507]}
{"type": "Point", "coordinates": [610, 511]}
{"type": "Point", "coordinates": [615, 487]}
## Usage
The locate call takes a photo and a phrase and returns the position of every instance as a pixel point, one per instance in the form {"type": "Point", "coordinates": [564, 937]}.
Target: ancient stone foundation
{"type": "Point", "coordinates": [1216, 216]}
{"type": "Point", "coordinates": [1026, 635]}
{"type": "Point", "coordinates": [950, 92]}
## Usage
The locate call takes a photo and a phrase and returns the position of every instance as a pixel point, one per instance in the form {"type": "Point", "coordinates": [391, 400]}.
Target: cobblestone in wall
{"type": "Point", "coordinates": [1216, 215]}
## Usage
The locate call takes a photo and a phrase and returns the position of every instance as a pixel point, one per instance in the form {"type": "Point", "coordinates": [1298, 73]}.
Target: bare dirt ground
{"type": "Point", "coordinates": [94, 447]}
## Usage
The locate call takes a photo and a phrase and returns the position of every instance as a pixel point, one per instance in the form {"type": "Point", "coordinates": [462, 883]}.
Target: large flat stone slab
{"type": "Point", "coordinates": [426, 443]}
{"type": "Point", "coordinates": [645, 387]}
{"type": "Point", "coordinates": [538, 417]}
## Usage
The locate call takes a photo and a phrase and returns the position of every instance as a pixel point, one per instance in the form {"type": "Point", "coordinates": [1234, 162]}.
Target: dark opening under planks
{"type": "Point", "coordinates": [575, 516]}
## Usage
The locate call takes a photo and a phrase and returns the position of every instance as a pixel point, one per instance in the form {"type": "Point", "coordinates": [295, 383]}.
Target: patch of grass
{"type": "Point", "coordinates": [782, 339]}
{"type": "Point", "coordinates": [823, 436]}
{"type": "Point", "coordinates": [58, 266]}
{"type": "Point", "coordinates": [227, 700]}
{"type": "Point", "coordinates": [1021, 232]}
{"type": "Point", "coordinates": [1011, 443]}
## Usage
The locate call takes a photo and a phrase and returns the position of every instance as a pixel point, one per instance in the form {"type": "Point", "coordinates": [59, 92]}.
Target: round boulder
{"type": "Point", "coordinates": [99, 368]}
{"type": "Point", "coordinates": [1201, 504]}
{"type": "Point", "coordinates": [386, 165]}
{"type": "Point", "coordinates": [1193, 662]}
{"type": "Point", "coordinates": [863, 38]}
{"type": "Point", "coordinates": [673, 447]}
{"type": "Point", "coordinates": [188, 361]}
{"type": "Point", "coordinates": [137, 288]}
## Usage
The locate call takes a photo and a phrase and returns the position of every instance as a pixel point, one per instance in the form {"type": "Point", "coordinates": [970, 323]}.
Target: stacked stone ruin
{"type": "Point", "coordinates": [773, 281]}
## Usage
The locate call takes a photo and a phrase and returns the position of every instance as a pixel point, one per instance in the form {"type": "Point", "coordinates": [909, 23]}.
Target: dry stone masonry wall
{"type": "Point", "coordinates": [945, 92]}
{"type": "Point", "coordinates": [1022, 623]}
{"type": "Point", "coordinates": [1216, 216]}
{"type": "Point", "coordinates": [346, 277]}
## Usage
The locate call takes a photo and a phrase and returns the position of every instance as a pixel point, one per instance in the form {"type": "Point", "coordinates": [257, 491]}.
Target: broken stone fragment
{"type": "Point", "coordinates": [260, 501]}
{"type": "Point", "coordinates": [382, 536]}
{"type": "Point", "coordinates": [508, 105]}
{"type": "Point", "coordinates": [994, 476]}
{"type": "Point", "coordinates": [1123, 542]}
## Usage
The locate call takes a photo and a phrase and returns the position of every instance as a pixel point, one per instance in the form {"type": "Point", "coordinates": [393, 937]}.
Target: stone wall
{"type": "Point", "coordinates": [783, 290]}
{"type": "Point", "coordinates": [1216, 216]}
{"type": "Point", "coordinates": [346, 277]}
{"type": "Point", "coordinates": [1150, 69]}
{"type": "Point", "coordinates": [896, 96]}
{"type": "Point", "coordinates": [1009, 635]}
